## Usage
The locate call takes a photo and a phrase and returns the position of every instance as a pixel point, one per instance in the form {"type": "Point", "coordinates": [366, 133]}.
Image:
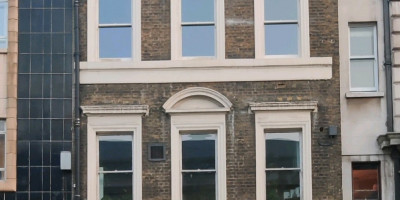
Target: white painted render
{"type": "Point", "coordinates": [363, 114]}
{"type": "Point", "coordinates": [395, 15]}
{"type": "Point", "coordinates": [362, 119]}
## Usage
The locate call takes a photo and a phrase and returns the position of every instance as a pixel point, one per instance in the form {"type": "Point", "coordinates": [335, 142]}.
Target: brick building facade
{"type": "Point", "coordinates": [253, 84]}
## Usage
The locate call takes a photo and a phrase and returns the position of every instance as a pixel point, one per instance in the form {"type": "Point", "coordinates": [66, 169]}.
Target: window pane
{"type": "Point", "coordinates": [362, 73]}
{"type": "Point", "coordinates": [198, 186]}
{"type": "Point", "coordinates": [280, 10]}
{"type": "Point", "coordinates": [115, 186]}
{"type": "Point", "coordinates": [283, 185]}
{"type": "Point", "coordinates": [198, 151]}
{"type": "Point", "coordinates": [281, 39]}
{"type": "Point", "coordinates": [197, 10]}
{"type": "Point", "coordinates": [362, 41]}
{"type": "Point", "coordinates": [2, 125]}
{"type": "Point", "coordinates": [2, 150]}
{"type": "Point", "coordinates": [115, 152]}
{"type": "Point", "coordinates": [3, 43]}
{"type": "Point", "coordinates": [282, 150]}
{"type": "Point", "coordinates": [3, 19]}
{"type": "Point", "coordinates": [366, 181]}
{"type": "Point", "coordinates": [115, 12]}
{"type": "Point", "coordinates": [198, 41]}
{"type": "Point", "coordinates": [116, 42]}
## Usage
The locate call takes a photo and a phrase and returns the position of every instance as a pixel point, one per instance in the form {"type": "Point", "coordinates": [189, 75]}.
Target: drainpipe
{"type": "Point", "coordinates": [77, 121]}
{"type": "Point", "coordinates": [389, 95]}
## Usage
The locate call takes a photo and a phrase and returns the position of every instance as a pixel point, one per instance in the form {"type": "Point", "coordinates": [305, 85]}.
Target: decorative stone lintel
{"type": "Point", "coordinates": [115, 109]}
{"type": "Point", "coordinates": [389, 139]}
{"type": "Point", "coordinates": [270, 106]}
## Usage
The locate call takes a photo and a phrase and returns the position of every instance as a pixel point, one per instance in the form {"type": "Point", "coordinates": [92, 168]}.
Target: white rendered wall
{"type": "Point", "coordinates": [363, 119]}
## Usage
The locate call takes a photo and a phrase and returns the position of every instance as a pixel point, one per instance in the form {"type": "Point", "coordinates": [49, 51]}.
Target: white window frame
{"type": "Point", "coordinates": [197, 122]}
{"type": "Point", "coordinates": [6, 24]}
{"type": "Point", "coordinates": [303, 35]}
{"type": "Point", "coordinates": [93, 30]}
{"type": "Point", "coordinates": [375, 57]}
{"type": "Point", "coordinates": [176, 31]}
{"type": "Point", "coordinates": [284, 116]}
{"type": "Point", "coordinates": [113, 119]}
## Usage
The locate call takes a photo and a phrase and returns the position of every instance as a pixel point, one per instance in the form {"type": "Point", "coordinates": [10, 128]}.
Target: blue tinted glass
{"type": "Point", "coordinates": [198, 41]}
{"type": "Point", "coordinates": [280, 10]}
{"type": "Point", "coordinates": [197, 10]}
{"type": "Point", "coordinates": [281, 39]}
{"type": "Point", "coordinates": [3, 43]}
{"type": "Point", "coordinates": [115, 12]}
{"type": "Point", "coordinates": [115, 42]}
{"type": "Point", "coordinates": [3, 18]}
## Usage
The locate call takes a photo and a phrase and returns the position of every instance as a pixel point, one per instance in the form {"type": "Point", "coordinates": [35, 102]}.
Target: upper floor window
{"type": "Point", "coordinates": [363, 58]}
{"type": "Point", "coordinates": [113, 29]}
{"type": "Point", "coordinates": [281, 28]}
{"type": "Point", "coordinates": [3, 23]}
{"type": "Point", "coordinates": [197, 28]}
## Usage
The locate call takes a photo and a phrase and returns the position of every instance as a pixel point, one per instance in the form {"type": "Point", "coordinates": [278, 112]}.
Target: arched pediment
{"type": "Point", "coordinates": [197, 99]}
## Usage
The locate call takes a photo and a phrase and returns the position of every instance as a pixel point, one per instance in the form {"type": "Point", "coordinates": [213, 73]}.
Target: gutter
{"type": "Point", "coordinates": [389, 93]}
{"type": "Point", "coordinates": [77, 120]}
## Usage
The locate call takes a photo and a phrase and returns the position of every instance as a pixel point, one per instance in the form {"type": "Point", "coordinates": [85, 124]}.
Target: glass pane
{"type": "Point", "coordinates": [282, 150]}
{"type": "Point", "coordinates": [198, 186]}
{"type": "Point", "coordinates": [198, 151]}
{"type": "Point", "coordinates": [362, 41]}
{"type": "Point", "coordinates": [115, 186]}
{"type": "Point", "coordinates": [2, 125]}
{"type": "Point", "coordinates": [115, 12]}
{"type": "Point", "coordinates": [366, 181]}
{"type": "Point", "coordinates": [197, 11]}
{"type": "Point", "coordinates": [115, 152]}
{"type": "Point", "coordinates": [283, 185]}
{"type": "Point", "coordinates": [2, 150]}
{"type": "Point", "coordinates": [116, 42]}
{"type": "Point", "coordinates": [280, 10]}
{"type": "Point", "coordinates": [198, 41]}
{"type": "Point", "coordinates": [362, 73]}
{"type": "Point", "coordinates": [3, 19]}
{"type": "Point", "coordinates": [281, 39]}
{"type": "Point", "coordinates": [3, 43]}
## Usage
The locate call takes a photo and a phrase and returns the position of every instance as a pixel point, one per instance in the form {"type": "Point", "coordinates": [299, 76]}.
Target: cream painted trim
{"type": "Point", "coordinates": [350, 95]}
{"type": "Point", "coordinates": [182, 122]}
{"type": "Point", "coordinates": [197, 91]}
{"type": "Point", "coordinates": [283, 120]}
{"type": "Point", "coordinates": [113, 122]}
{"type": "Point", "coordinates": [304, 38]}
{"type": "Point", "coordinates": [10, 183]}
{"type": "Point", "coordinates": [93, 31]}
{"type": "Point", "coordinates": [386, 174]}
{"type": "Point", "coordinates": [207, 71]}
{"type": "Point", "coordinates": [176, 32]}
{"type": "Point", "coordinates": [269, 106]}
{"type": "Point", "coordinates": [115, 109]}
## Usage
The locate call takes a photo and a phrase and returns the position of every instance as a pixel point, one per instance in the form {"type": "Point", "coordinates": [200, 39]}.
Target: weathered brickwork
{"type": "Point", "coordinates": [241, 164]}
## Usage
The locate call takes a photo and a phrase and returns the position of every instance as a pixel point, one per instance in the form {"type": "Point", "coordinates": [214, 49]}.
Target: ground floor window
{"type": "Point", "coordinates": [115, 171]}
{"type": "Point", "coordinates": [198, 166]}
{"type": "Point", "coordinates": [366, 183]}
{"type": "Point", "coordinates": [283, 167]}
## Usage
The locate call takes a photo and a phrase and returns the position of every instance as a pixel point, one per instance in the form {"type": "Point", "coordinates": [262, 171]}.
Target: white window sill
{"type": "Point", "coordinates": [213, 70]}
{"type": "Point", "coordinates": [3, 50]}
{"type": "Point", "coordinates": [351, 95]}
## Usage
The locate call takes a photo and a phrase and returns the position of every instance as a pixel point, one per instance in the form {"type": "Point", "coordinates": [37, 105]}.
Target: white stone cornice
{"type": "Point", "coordinates": [299, 105]}
{"type": "Point", "coordinates": [115, 109]}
